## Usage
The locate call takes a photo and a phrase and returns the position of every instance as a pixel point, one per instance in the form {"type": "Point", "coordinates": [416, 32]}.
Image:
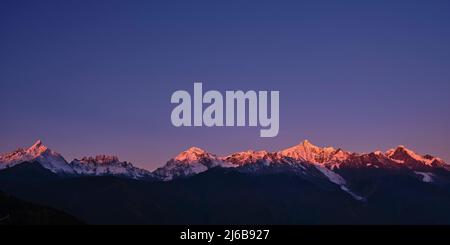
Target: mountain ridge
{"type": "Point", "coordinates": [395, 186]}
{"type": "Point", "coordinates": [305, 152]}
{"type": "Point", "coordinates": [89, 166]}
{"type": "Point", "coordinates": [299, 158]}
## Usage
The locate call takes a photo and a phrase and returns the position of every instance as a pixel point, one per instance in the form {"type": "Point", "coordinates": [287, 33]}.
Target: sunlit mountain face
{"type": "Point", "coordinates": [194, 160]}
{"type": "Point", "coordinates": [303, 184]}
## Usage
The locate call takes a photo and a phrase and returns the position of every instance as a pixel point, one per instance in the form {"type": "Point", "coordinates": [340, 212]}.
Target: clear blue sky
{"type": "Point", "coordinates": [94, 77]}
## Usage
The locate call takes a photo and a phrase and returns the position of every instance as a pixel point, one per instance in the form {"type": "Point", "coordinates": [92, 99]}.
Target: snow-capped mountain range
{"type": "Point", "coordinates": [87, 166]}
{"type": "Point", "coordinates": [304, 159]}
{"type": "Point", "coordinates": [37, 152]}
{"type": "Point", "coordinates": [188, 163]}
{"type": "Point", "coordinates": [196, 160]}
{"type": "Point", "coordinates": [107, 165]}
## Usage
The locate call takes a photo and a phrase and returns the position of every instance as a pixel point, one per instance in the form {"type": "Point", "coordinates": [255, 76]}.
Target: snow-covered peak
{"type": "Point", "coordinates": [37, 152]}
{"type": "Point", "coordinates": [22, 155]}
{"type": "Point", "coordinates": [308, 152]}
{"type": "Point", "coordinates": [307, 144]}
{"type": "Point", "coordinates": [193, 154]}
{"type": "Point", "coordinates": [37, 148]}
{"type": "Point", "coordinates": [190, 162]}
{"type": "Point", "coordinates": [401, 152]}
{"type": "Point", "coordinates": [194, 149]}
{"type": "Point", "coordinates": [403, 155]}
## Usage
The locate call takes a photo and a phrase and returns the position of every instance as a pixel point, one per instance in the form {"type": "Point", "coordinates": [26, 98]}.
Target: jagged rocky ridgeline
{"type": "Point", "coordinates": [303, 155]}
{"type": "Point", "coordinates": [88, 166]}
{"type": "Point", "coordinates": [195, 160]}
{"type": "Point", "coordinates": [303, 159]}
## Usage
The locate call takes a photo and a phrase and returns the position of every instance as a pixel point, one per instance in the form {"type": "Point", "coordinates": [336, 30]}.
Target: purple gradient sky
{"type": "Point", "coordinates": [94, 77]}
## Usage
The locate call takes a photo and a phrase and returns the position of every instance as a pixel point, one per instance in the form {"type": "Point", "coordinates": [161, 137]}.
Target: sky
{"type": "Point", "coordinates": [95, 77]}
